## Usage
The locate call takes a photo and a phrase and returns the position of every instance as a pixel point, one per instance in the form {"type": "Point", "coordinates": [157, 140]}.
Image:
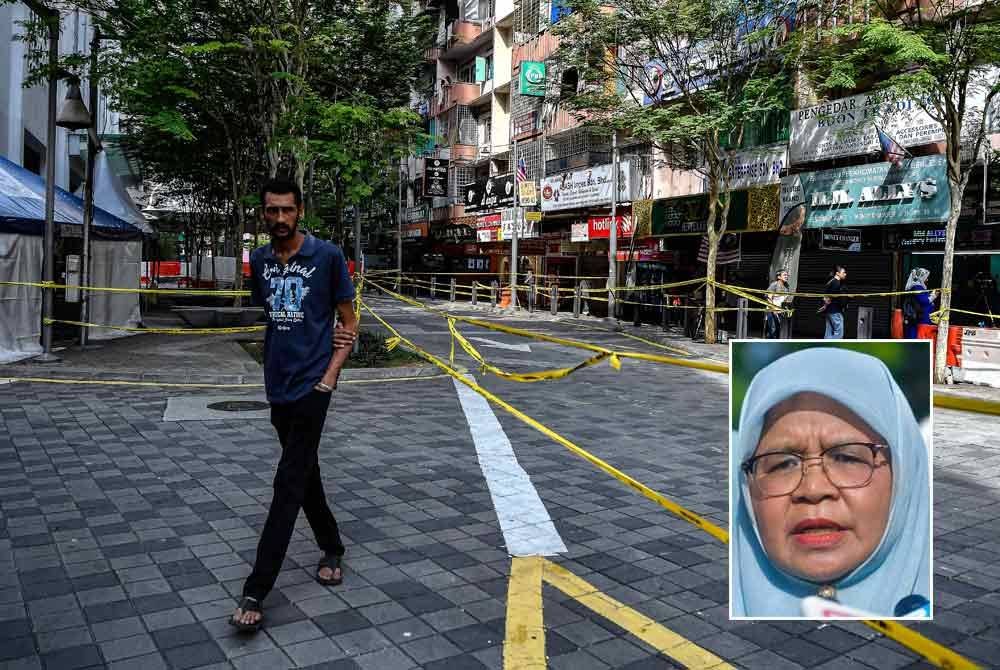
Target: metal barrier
{"type": "Point", "coordinates": [554, 299]}
{"type": "Point", "coordinates": [494, 289]}
{"type": "Point", "coordinates": [452, 293]}
{"type": "Point", "coordinates": [577, 297]}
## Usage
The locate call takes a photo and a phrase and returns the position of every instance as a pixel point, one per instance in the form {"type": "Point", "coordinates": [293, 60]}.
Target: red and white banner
{"type": "Point", "coordinates": [599, 228]}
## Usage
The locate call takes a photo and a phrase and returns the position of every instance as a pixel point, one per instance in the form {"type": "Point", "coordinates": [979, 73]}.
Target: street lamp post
{"type": "Point", "coordinates": [48, 271]}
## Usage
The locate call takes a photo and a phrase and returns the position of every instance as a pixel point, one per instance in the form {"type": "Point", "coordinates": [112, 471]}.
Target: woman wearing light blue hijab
{"type": "Point", "coordinates": [831, 489]}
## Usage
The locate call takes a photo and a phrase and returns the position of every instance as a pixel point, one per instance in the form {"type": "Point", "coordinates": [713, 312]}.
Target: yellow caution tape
{"type": "Point", "coordinates": [162, 331]}
{"type": "Point", "coordinates": [935, 653]}
{"type": "Point", "coordinates": [537, 376]}
{"type": "Point", "coordinates": [155, 291]}
{"type": "Point", "coordinates": [122, 382]}
{"type": "Point", "coordinates": [701, 365]}
{"type": "Point", "coordinates": [729, 287]}
{"type": "Point", "coordinates": [687, 515]}
{"type": "Point", "coordinates": [936, 316]}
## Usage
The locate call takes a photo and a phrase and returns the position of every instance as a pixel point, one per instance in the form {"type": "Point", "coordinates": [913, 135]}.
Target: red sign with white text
{"type": "Point", "coordinates": [599, 227]}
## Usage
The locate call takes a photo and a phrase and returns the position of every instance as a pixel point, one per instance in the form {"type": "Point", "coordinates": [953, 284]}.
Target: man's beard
{"type": "Point", "coordinates": [283, 231]}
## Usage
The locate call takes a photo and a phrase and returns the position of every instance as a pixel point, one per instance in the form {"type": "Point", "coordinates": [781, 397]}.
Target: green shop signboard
{"type": "Point", "coordinates": [878, 194]}
{"type": "Point", "coordinates": [689, 214]}
{"type": "Point", "coordinates": [532, 80]}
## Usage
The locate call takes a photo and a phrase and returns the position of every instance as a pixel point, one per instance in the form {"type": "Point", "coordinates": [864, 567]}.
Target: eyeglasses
{"type": "Point", "coordinates": [847, 466]}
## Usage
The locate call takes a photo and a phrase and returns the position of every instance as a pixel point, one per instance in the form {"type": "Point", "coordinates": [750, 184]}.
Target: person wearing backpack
{"type": "Point", "coordinates": [917, 307]}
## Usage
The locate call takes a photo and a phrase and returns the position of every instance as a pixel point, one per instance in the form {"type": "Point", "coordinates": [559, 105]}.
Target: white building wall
{"type": "Point", "coordinates": [27, 109]}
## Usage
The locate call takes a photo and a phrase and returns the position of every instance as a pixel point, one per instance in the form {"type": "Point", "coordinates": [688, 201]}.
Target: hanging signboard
{"type": "Point", "coordinates": [841, 239]}
{"type": "Point", "coordinates": [580, 232]}
{"type": "Point", "coordinates": [532, 78]}
{"type": "Point", "coordinates": [878, 194]}
{"type": "Point", "coordinates": [527, 194]}
{"type": "Point", "coordinates": [584, 188]}
{"type": "Point", "coordinates": [847, 126]}
{"type": "Point", "coordinates": [757, 167]}
{"type": "Point", "coordinates": [436, 178]}
{"type": "Point", "coordinates": [526, 230]}
{"type": "Point", "coordinates": [681, 215]}
{"type": "Point", "coordinates": [414, 231]}
{"type": "Point", "coordinates": [453, 234]}
{"type": "Point", "coordinates": [599, 227]}
{"type": "Point", "coordinates": [493, 193]}
{"type": "Point", "coordinates": [533, 216]}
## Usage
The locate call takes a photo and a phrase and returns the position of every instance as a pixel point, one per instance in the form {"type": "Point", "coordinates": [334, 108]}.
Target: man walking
{"type": "Point", "coordinates": [835, 305]}
{"type": "Point", "coordinates": [304, 285]}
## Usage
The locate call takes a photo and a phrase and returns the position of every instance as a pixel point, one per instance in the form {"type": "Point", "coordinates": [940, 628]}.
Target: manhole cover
{"type": "Point", "coordinates": [239, 406]}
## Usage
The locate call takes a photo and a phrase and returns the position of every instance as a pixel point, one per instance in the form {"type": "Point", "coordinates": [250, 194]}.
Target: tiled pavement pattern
{"type": "Point", "coordinates": [123, 539]}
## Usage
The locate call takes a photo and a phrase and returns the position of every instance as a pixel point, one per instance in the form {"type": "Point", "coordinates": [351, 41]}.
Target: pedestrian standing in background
{"type": "Point", "coordinates": [585, 297]}
{"type": "Point", "coordinates": [773, 320]}
{"type": "Point", "coordinates": [917, 307]}
{"type": "Point", "coordinates": [834, 306]}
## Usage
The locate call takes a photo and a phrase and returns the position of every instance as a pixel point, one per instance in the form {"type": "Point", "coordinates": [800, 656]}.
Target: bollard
{"type": "Point", "coordinates": [664, 301]}
{"type": "Point", "coordinates": [434, 287]}
{"type": "Point", "coordinates": [452, 296]}
{"type": "Point", "coordinates": [475, 293]}
{"type": "Point", "coordinates": [865, 317]}
{"type": "Point", "coordinates": [531, 295]}
{"type": "Point", "coordinates": [576, 301]}
{"type": "Point", "coordinates": [742, 326]}
{"type": "Point", "coordinates": [554, 299]}
{"type": "Point", "coordinates": [494, 289]}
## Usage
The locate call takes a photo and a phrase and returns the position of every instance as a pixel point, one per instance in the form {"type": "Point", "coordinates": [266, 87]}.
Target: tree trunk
{"type": "Point", "coordinates": [713, 246]}
{"type": "Point", "coordinates": [957, 181]}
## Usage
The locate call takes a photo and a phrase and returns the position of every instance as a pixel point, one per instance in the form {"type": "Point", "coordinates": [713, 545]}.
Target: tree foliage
{"type": "Point", "coordinates": [942, 54]}
{"type": "Point", "coordinates": [686, 75]}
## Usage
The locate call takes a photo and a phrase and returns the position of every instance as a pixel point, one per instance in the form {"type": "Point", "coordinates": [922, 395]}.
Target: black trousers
{"type": "Point", "coordinates": [297, 485]}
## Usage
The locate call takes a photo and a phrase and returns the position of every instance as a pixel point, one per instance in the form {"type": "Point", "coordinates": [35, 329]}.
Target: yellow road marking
{"type": "Point", "coordinates": [524, 646]}
{"type": "Point", "coordinates": [649, 631]}
{"type": "Point", "coordinates": [966, 404]}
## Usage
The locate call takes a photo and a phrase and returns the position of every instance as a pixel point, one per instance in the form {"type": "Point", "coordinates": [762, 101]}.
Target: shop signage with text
{"type": "Point", "coordinates": [492, 193]}
{"type": "Point", "coordinates": [841, 239]}
{"type": "Point", "coordinates": [878, 194]}
{"type": "Point", "coordinates": [584, 188]}
{"type": "Point", "coordinates": [414, 231]}
{"type": "Point", "coordinates": [847, 126]}
{"type": "Point", "coordinates": [757, 167]}
{"type": "Point", "coordinates": [436, 178]}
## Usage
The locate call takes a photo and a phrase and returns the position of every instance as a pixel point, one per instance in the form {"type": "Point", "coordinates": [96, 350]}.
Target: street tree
{"type": "Point", "coordinates": [688, 76]}
{"type": "Point", "coordinates": [944, 55]}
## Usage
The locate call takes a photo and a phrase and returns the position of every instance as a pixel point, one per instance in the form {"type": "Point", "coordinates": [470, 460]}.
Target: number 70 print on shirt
{"type": "Point", "coordinates": [287, 295]}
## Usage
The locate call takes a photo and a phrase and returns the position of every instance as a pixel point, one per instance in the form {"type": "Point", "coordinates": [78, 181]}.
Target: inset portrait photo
{"type": "Point", "coordinates": [830, 485]}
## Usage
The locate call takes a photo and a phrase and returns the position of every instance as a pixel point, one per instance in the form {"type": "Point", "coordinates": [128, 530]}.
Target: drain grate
{"type": "Point", "coordinates": [239, 406]}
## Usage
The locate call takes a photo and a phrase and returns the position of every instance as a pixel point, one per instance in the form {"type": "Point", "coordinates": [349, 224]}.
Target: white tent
{"type": "Point", "coordinates": [117, 249]}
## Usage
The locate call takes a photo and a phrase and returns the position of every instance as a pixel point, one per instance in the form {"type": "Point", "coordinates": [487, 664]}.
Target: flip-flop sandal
{"type": "Point", "coordinates": [333, 562]}
{"type": "Point", "coordinates": [248, 604]}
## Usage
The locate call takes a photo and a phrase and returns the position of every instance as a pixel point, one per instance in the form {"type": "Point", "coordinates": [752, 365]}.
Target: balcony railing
{"type": "Point", "coordinates": [583, 159]}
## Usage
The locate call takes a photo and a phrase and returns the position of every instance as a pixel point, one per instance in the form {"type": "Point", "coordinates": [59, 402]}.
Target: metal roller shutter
{"type": "Point", "coordinates": [867, 272]}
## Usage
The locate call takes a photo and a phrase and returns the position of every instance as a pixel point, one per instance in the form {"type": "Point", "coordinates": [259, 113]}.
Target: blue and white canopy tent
{"type": "Point", "coordinates": [116, 260]}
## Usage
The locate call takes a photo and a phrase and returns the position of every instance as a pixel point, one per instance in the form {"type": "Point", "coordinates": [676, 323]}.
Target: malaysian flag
{"type": "Point", "coordinates": [729, 250]}
{"type": "Point", "coordinates": [892, 151]}
{"type": "Point", "coordinates": [522, 171]}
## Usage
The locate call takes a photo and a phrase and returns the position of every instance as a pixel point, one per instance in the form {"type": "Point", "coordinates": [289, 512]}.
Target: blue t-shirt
{"type": "Point", "coordinates": [300, 300]}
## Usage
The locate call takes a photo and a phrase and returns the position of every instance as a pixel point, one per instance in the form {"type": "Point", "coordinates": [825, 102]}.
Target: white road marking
{"type": "Point", "coordinates": [501, 345]}
{"type": "Point", "coordinates": [527, 527]}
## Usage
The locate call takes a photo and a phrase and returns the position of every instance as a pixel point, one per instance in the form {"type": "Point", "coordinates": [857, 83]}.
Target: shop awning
{"type": "Point", "coordinates": [22, 206]}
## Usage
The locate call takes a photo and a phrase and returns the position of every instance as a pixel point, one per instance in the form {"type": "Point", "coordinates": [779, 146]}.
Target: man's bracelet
{"type": "Point", "coordinates": [324, 387]}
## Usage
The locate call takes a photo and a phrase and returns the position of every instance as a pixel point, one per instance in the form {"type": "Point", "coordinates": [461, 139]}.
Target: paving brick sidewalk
{"type": "Point", "coordinates": [124, 539]}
